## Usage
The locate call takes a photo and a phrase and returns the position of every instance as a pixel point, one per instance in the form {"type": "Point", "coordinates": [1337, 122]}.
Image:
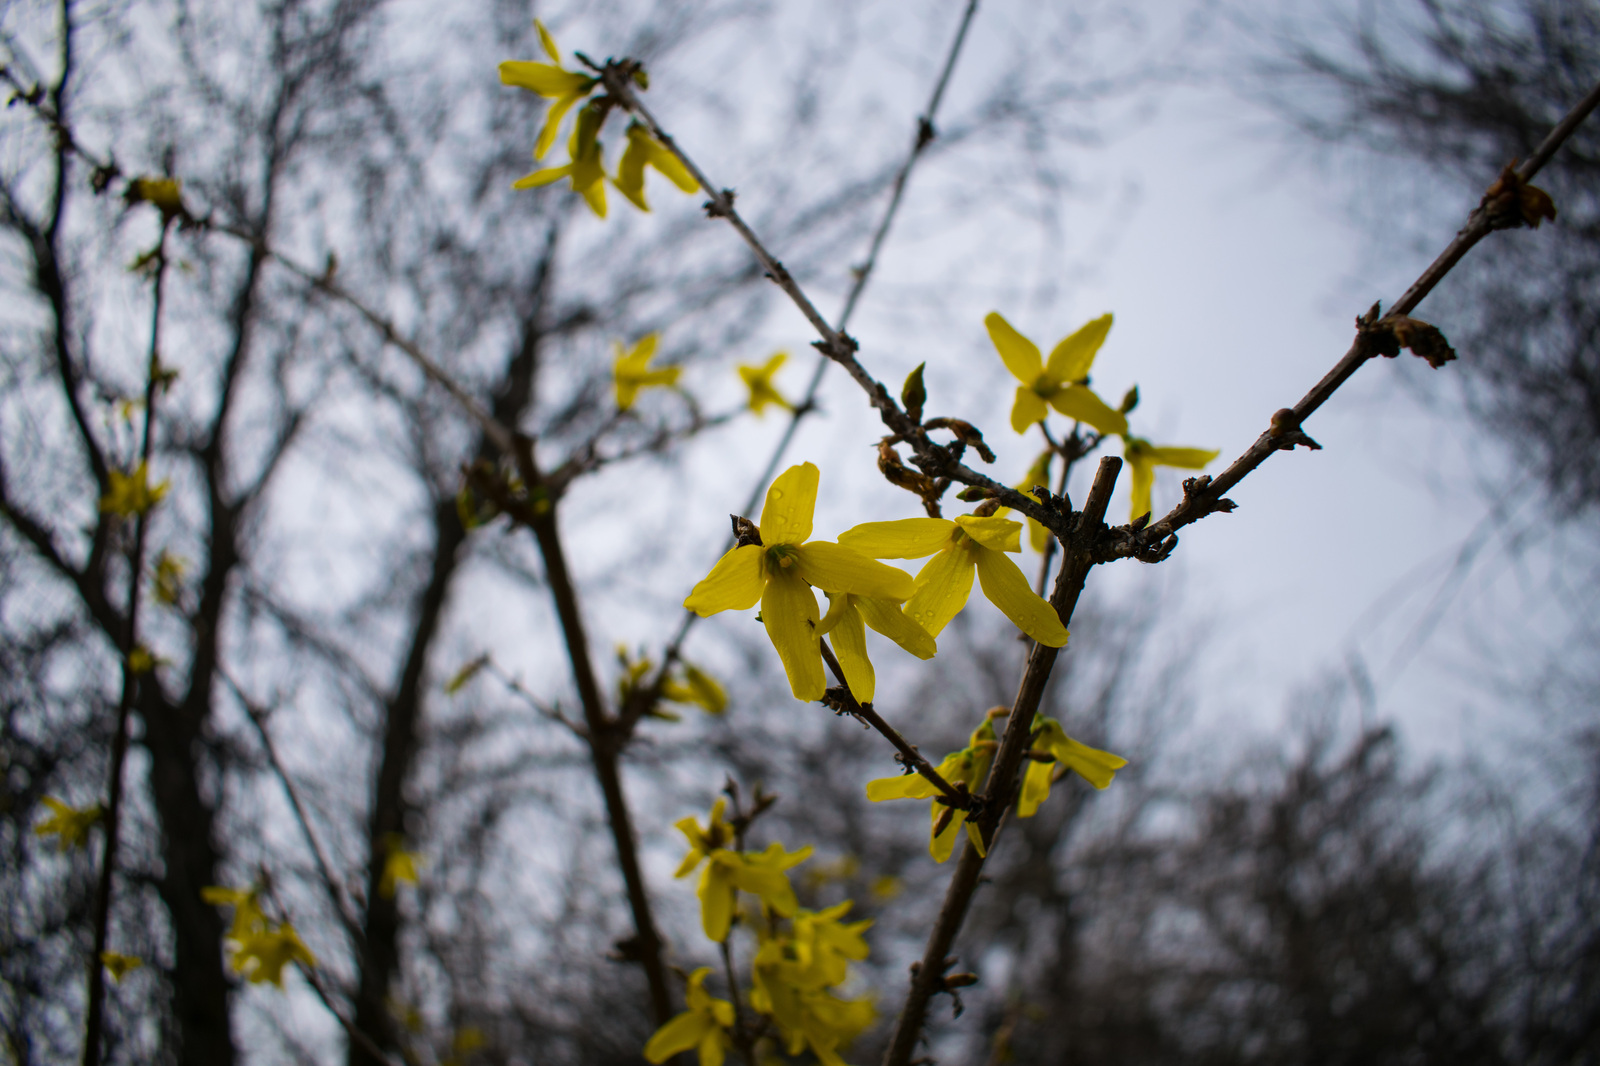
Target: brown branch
{"type": "Point", "coordinates": [1000, 789]}
{"type": "Point", "coordinates": [1204, 496]}
{"type": "Point", "coordinates": [909, 755]}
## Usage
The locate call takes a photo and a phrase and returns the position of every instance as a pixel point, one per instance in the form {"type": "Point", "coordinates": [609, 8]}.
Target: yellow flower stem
{"type": "Point", "coordinates": [908, 752]}
{"type": "Point", "coordinates": [94, 1016]}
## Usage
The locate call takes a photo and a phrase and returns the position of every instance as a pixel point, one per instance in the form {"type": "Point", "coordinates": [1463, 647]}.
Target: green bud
{"type": "Point", "coordinates": [1130, 400]}
{"type": "Point", "coordinates": [913, 395]}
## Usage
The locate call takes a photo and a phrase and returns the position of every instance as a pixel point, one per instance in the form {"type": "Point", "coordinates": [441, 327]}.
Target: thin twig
{"type": "Point", "coordinates": [909, 754]}
{"type": "Point", "coordinates": [131, 682]}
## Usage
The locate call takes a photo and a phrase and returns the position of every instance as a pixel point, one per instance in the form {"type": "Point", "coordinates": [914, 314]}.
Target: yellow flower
{"type": "Point", "coordinates": [164, 194]}
{"type": "Point", "coordinates": [262, 955]}
{"type": "Point", "coordinates": [1058, 382]}
{"type": "Point", "coordinates": [704, 1026]}
{"type": "Point", "coordinates": [586, 170]}
{"type": "Point", "coordinates": [758, 379]}
{"type": "Point", "coordinates": [1093, 765]}
{"type": "Point", "coordinates": [644, 150]}
{"type": "Point", "coordinates": [69, 825]}
{"type": "Point", "coordinates": [958, 548]}
{"type": "Point", "coordinates": [807, 1015]}
{"type": "Point", "coordinates": [631, 371]}
{"type": "Point", "coordinates": [780, 572]}
{"type": "Point", "coordinates": [969, 767]}
{"type": "Point", "coordinates": [118, 965]}
{"type": "Point", "coordinates": [566, 87]}
{"type": "Point", "coordinates": [1143, 457]}
{"type": "Point", "coordinates": [131, 493]}
{"type": "Point", "coordinates": [398, 865]}
{"type": "Point", "coordinates": [824, 946]}
{"type": "Point", "coordinates": [847, 618]}
{"type": "Point", "coordinates": [760, 873]}
{"type": "Point", "coordinates": [702, 842]}
{"type": "Point", "coordinates": [141, 661]}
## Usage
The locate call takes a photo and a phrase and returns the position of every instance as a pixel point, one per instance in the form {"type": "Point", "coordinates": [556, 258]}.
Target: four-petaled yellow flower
{"type": "Point", "coordinates": [791, 987]}
{"type": "Point", "coordinates": [246, 904]}
{"type": "Point", "coordinates": [958, 548]}
{"type": "Point", "coordinates": [758, 379]}
{"type": "Point", "coordinates": [761, 873]}
{"type": "Point", "coordinates": [118, 965]}
{"type": "Point", "coordinates": [131, 493]}
{"type": "Point", "coordinates": [1093, 765]}
{"type": "Point", "coordinates": [631, 370]}
{"type": "Point", "coordinates": [846, 621]}
{"type": "Point", "coordinates": [69, 825]}
{"type": "Point", "coordinates": [644, 150]}
{"type": "Point", "coordinates": [780, 572]}
{"type": "Point", "coordinates": [704, 1026]}
{"type": "Point", "coordinates": [1058, 382]}
{"type": "Point", "coordinates": [565, 87]}
{"type": "Point", "coordinates": [969, 766]}
{"type": "Point", "coordinates": [262, 955]}
{"type": "Point", "coordinates": [1143, 457]}
{"type": "Point", "coordinates": [586, 170]}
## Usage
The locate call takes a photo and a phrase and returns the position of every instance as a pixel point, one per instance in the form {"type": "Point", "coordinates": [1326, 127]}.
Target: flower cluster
{"type": "Point", "coordinates": [1062, 382]}
{"type": "Point", "coordinates": [801, 959]}
{"type": "Point", "coordinates": [585, 168]}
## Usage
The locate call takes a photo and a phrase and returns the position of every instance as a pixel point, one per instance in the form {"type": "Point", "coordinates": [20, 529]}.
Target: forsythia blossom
{"type": "Point", "coordinates": [261, 948]}
{"type": "Point", "coordinates": [131, 493]}
{"type": "Point", "coordinates": [1061, 753]}
{"type": "Point", "coordinates": [69, 825]}
{"type": "Point", "coordinates": [758, 379]}
{"type": "Point", "coordinates": [1143, 457]}
{"type": "Point", "coordinates": [118, 965]}
{"type": "Point", "coordinates": [704, 1026]}
{"type": "Point", "coordinates": [631, 371]}
{"type": "Point", "coordinates": [1058, 382]}
{"type": "Point", "coordinates": [968, 767]}
{"type": "Point", "coordinates": [780, 572]}
{"type": "Point", "coordinates": [761, 873]}
{"type": "Point", "coordinates": [959, 547]}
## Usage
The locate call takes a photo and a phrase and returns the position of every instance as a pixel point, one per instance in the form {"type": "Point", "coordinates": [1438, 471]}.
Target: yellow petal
{"type": "Point", "coordinates": [942, 588]}
{"type": "Point", "coordinates": [716, 899]}
{"type": "Point", "coordinates": [975, 835]}
{"type": "Point", "coordinates": [548, 41]}
{"type": "Point", "coordinates": [679, 1034]}
{"type": "Point", "coordinates": [542, 78]}
{"type": "Point", "coordinates": [1080, 402]}
{"type": "Point", "coordinates": [789, 611]}
{"type": "Point", "coordinates": [542, 177]}
{"type": "Point", "coordinates": [1008, 590]}
{"type": "Point", "coordinates": [887, 618]}
{"type": "Point", "coordinates": [838, 606]}
{"type": "Point", "coordinates": [836, 568]}
{"type": "Point", "coordinates": [909, 538]}
{"type": "Point", "coordinates": [1072, 358]}
{"type": "Point", "coordinates": [734, 584]}
{"type": "Point", "coordinates": [1141, 476]}
{"type": "Point", "coordinates": [671, 167]}
{"type": "Point", "coordinates": [786, 516]}
{"type": "Point", "coordinates": [1035, 788]}
{"type": "Point", "coordinates": [992, 531]}
{"type": "Point", "coordinates": [905, 786]}
{"type": "Point", "coordinates": [1093, 765]}
{"type": "Point", "coordinates": [630, 170]}
{"type": "Point", "coordinates": [1183, 458]}
{"type": "Point", "coordinates": [943, 844]}
{"type": "Point", "coordinates": [850, 645]}
{"type": "Point", "coordinates": [552, 120]}
{"type": "Point", "coordinates": [1028, 408]}
{"type": "Point", "coordinates": [1020, 355]}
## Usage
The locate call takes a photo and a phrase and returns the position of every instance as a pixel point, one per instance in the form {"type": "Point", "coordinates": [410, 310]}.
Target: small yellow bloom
{"type": "Point", "coordinates": [780, 573]}
{"type": "Point", "coordinates": [586, 170]}
{"type": "Point", "coordinates": [246, 904]}
{"type": "Point", "coordinates": [169, 571]}
{"type": "Point", "coordinates": [959, 547]}
{"type": "Point", "coordinates": [704, 1026]}
{"type": "Point", "coordinates": [164, 194]}
{"type": "Point", "coordinates": [1058, 382]}
{"type": "Point", "coordinates": [758, 379]}
{"type": "Point", "coordinates": [969, 766]}
{"type": "Point", "coordinates": [398, 865]}
{"type": "Point", "coordinates": [69, 825]}
{"type": "Point", "coordinates": [1093, 765]}
{"type": "Point", "coordinates": [141, 661]}
{"type": "Point", "coordinates": [644, 150]}
{"type": "Point", "coordinates": [118, 965]}
{"type": "Point", "coordinates": [696, 687]}
{"type": "Point", "coordinates": [793, 992]}
{"type": "Point", "coordinates": [262, 955]}
{"type": "Point", "coordinates": [631, 371]}
{"type": "Point", "coordinates": [761, 873]}
{"type": "Point", "coordinates": [566, 87]}
{"type": "Point", "coordinates": [1143, 457]}
{"type": "Point", "coordinates": [131, 493]}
